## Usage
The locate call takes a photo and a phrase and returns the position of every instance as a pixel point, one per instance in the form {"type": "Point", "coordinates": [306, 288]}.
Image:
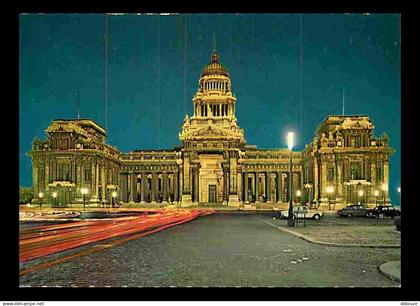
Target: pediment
{"type": "Point", "coordinates": [210, 131]}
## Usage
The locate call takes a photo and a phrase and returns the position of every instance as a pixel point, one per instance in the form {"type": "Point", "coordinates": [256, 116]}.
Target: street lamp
{"type": "Point", "coordinates": [114, 195]}
{"type": "Point", "coordinates": [360, 193]}
{"type": "Point", "coordinates": [384, 189]}
{"type": "Point", "coordinates": [330, 190]}
{"type": "Point", "coordinates": [290, 221]}
{"type": "Point", "coordinates": [40, 196]}
{"type": "Point", "coordinates": [399, 193]}
{"type": "Point", "coordinates": [376, 194]}
{"type": "Point", "coordinates": [54, 195]}
{"type": "Point", "coordinates": [298, 194]}
{"type": "Point", "coordinates": [84, 191]}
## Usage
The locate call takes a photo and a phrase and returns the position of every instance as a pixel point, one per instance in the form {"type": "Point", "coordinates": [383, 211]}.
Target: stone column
{"type": "Point", "coordinates": [176, 187]}
{"type": "Point", "coordinates": [53, 162]}
{"type": "Point", "coordinates": [339, 187]}
{"type": "Point", "coordinates": [121, 192]}
{"type": "Point", "coordinates": [268, 186]}
{"type": "Point", "coordinates": [195, 175]}
{"type": "Point", "coordinates": [82, 175]}
{"type": "Point", "coordinates": [225, 185]}
{"type": "Point", "coordinates": [232, 179]}
{"type": "Point", "coordinates": [240, 187]}
{"type": "Point", "coordinates": [132, 186]}
{"type": "Point", "coordinates": [35, 178]}
{"type": "Point", "coordinates": [73, 171]}
{"type": "Point", "coordinates": [324, 195]}
{"type": "Point", "coordinates": [257, 187]}
{"type": "Point", "coordinates": [373, 182]}
{"type": "Point", "coordinates": [94, 183]}
{"type": "Point", "coordinates": [186, 182]}
{"type": "Point", "coordinates": [386, 178]}
{"type": "Point", "coordinates": [47, 174]}
{"type": "Point", "coordinates": [316, 181]}
{"type": "Point", "coordinates": [97, 179]}
{"type": "Point", "coordinates": [103, 183]}
{"type": "Point", "coordinates": [78, 175]}
{"type": "Point", "coordinates": [154, 187]}
{"type": "Point", "coordinates": [279, 191]}
{"type": "Point", "coordinates": [366, 168]}
{"type": "Point", "coordinates": [181, 182]}
{"type": "Point", "coordinates": [123, 182]}
{"type": "Point", "coordinates": [143, 186]}
{"type": "Point", "coordinates": [165, 186]}
{"type": "Point", "coordinates": [246, 200]}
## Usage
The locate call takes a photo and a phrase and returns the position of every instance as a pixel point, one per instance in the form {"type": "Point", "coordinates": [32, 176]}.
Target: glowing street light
{"type": "Point", "coordinates": [384, 188]}
{"type": "Point", "coordinates": [84, 191]}
{"type": "Point", "coordinates": [40, 196]}
{"type": "Point", "coordinates": [376, 194]}
{"type": "Point", "coordinates": [54, 195]}
{"type": "Point", "coordinates": [360, 193]}
{"type": "Point", "coordinates": [399, 193]}
{"type": "Point", "coordinates": [290, 221]}
{"type": "Point", "coordinates": [298, 194]}
{"type": "Point", "coordinates": [290, 140]}
{"type": "Point", "coordinates": [330, 190]}
{"type": "Point", "coordinates": [114, 195]}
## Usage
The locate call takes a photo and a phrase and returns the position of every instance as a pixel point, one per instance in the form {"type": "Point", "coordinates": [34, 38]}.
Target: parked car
{"type": "Point", "coordinates": [354, 210]}
{"type": "Point", "coordinates": [302, 212]}
{"type": "Point", "coordinates": [397, 222]}
{"type": "Point", "coordinates": [383, 211]}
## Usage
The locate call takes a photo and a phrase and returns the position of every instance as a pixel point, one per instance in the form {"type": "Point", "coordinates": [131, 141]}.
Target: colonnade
{"type": "Point", "coordinates": [268, 186]}
{"type": "Point", "coordinates": [150, 186]}
{"type": "Point", "coordinates": [216, 85]}
{"type": "Point", "coordinates": [214, 110]}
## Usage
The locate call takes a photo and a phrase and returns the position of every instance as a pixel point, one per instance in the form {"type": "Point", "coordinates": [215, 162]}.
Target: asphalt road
{"type": "Point", "coordinates": [221, 250]}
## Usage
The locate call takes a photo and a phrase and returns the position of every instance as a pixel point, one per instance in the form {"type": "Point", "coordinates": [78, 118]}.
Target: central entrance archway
{"type": "Point", "coordinates": [210, 178]}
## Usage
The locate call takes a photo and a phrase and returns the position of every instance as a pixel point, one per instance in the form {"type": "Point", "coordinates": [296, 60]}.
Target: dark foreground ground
{"type": "Point", "coordinates": [225, 250]}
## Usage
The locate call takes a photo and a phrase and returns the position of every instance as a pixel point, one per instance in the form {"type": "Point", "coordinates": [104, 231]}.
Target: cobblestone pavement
{"type": "Point", "coordinates": [224, 250]}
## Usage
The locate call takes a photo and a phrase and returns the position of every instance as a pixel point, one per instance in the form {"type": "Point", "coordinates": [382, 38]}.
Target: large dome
{"type": "Point", "coordinates": [215, 67]}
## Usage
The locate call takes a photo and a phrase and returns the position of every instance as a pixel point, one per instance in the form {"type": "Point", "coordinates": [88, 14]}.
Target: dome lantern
{"type": "Point", "coordinates": [215, 67]}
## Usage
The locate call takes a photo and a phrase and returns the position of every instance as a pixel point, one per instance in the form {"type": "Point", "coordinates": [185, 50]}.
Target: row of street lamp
{"type": "Point", "coordinates": [84, 191]}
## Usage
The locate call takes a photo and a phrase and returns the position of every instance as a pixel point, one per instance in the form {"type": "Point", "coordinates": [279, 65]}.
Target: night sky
{"type": "Point", "coordinates": [60, 54]}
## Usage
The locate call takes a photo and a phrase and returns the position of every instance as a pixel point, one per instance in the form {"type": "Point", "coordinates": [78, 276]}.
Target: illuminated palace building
{"type": "Point", "coordinates": [343, 164]}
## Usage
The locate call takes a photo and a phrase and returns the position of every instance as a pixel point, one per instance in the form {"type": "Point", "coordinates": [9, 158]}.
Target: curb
{"type": "Point", "coordinates": [384, 267]}
{"type": "Point", "coordinates": [311, 240]}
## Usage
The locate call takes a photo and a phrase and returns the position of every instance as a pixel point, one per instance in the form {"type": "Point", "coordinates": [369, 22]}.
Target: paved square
{"type": "Point", "coordinates": [225, 250]}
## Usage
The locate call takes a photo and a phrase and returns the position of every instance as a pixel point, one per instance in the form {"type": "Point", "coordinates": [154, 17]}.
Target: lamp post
{"type": "Point", "coordinates": [54, 195]}
{"type": "Point", "coordinates": [330, 190]}
{"type": "Point", "coordinates": [290, 221]}
{"type": "Point", "coordinates": [40, 196]}
{"type": "Point", "coordinates": [384, 189]}
{"type": "Point", "coordinates": [360, 193]}
{"type": "Point", "coordinates": [114, 195]}
{"type": "Point", "coordinates": [84, 192]}
{"type": "Point", "coordinates": [376, 193]}
{"type": "Point", "coordinates": [399, 193]}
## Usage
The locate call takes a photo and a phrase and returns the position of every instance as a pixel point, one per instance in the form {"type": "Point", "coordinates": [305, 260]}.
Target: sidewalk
{"type": "Point", "coordinates": [310, 239]}
{"type": "Point", "coordinates": [392, 270]}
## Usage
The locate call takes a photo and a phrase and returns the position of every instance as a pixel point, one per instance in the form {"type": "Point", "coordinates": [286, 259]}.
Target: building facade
{"type": "Point", "coordinates": [214, 164]}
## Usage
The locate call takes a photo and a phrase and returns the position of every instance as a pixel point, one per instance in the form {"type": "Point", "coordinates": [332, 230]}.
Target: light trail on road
{"type": "Point", "coordinates": [45, 240]}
